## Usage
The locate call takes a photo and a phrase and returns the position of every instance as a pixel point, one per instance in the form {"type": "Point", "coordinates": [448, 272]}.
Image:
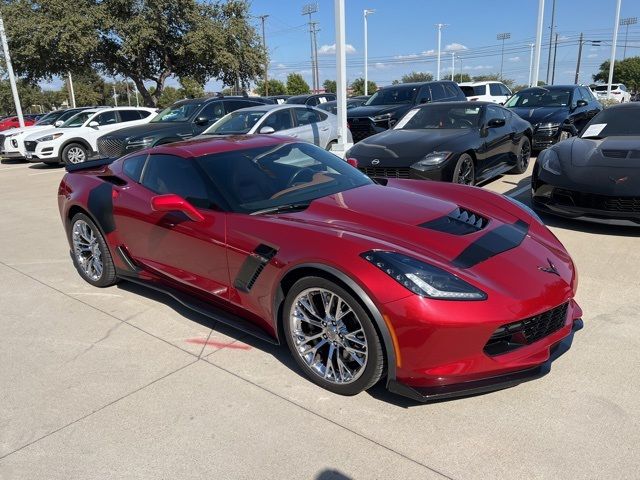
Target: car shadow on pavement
{"type": "Point", "coordinates": [12, 161]}
{"type": "Point", "coordinates": [46, 166]}
{"type": "Point", "coordinates": [332, 475]}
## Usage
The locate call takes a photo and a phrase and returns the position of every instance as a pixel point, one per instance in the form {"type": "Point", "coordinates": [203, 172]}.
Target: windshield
{"type": "Point", "coordinates": [237, 122]}
{"type": "Point", "coordinates": [50, 118]}
{"type": "Point", "coordinates": [393, 96]}
{"type": "Point", "coordinates": [265, 177]}
{"type": "Point", "coordinates": [77, 120]}
{"type": "Point", "coordinates": [440, 117]}
{"type": "Point", "coordinates": [476, 91]}
{"type": "Point", "coordinates": [613, 122]}
{"type": "Point", "coordinates": [540, 97]}
{"type": "Point", "coordinates": [301, 100]}
{"type": "Point", "coordinates": [603, 88]}
{"type": "Point", "coordinates": [178, 112]}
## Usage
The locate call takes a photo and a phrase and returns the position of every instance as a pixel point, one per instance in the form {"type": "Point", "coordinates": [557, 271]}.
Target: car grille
{"type": "Point", "coordinates": [512, 336]}
{"type": "Point", "coordinates": [361, 128]}
{"type": "Point", "coordinates": [30, 146]}
{"type": "Point", "coordinates": [387, 172]}
{"type": "Point", "coordinates": [111, 147]}
{"type": "Point", "coordinates": [597, 202]}
{"type": "Point", "coordinates": [2, 137]}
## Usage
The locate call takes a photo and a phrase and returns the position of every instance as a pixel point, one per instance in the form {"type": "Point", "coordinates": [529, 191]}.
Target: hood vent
{"type": "Point", "coordinates": [615, 153]}
{"type": "Point", "coordinates": [459, 222]}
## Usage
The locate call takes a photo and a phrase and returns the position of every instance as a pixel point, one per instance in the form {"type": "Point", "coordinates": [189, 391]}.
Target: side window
{"type": "Point", "coordinates": [107, 118]}
{"type": "Point", "coordinates": [313, 101]}
{"type": "Point", "coordinates": [279, 120]}
{"type": "Point", "coordinates": [495, 112]}
{"type": "Point", "coordinates": [494, 90]}
{"type": "Point", "coordinates": [144, 113]}
{"type": "Point", "coordinates": [437, 92]}
{"type": "Point", "coordinates": [129, 115]}
{"type": "Point", "coordinates": [233, 105]}
{"type": "Point", "coordinates": [505, 91]}
{"type": "Point", "coordinates": [169, 174]}
{"type": "Point", "coordinates": [213, 111]}
{"type": "Point", "coordinates": [622, 87]}
{"type": "Point", "coordinates": [306, 116]}
{"type": "Point", "coordinates": [132, 167]}
{"type": "Point", "coordinates": [586, 94]}
{"type": "Point", "coordinates": [425, 94]}
{"type": "Point", "coordinates": [451, 91]}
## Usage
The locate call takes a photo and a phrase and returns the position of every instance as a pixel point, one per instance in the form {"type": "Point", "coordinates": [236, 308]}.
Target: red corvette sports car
{"type": "Point", "coordinates": [441, 290]}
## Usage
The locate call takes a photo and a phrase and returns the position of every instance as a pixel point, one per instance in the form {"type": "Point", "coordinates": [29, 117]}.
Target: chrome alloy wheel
{"type": "Point", "coordinates": [328, 336]}
{"type": "Point", "coordinates": [76, 155]}
{"type": "Point", "coordinates": [86, 249]}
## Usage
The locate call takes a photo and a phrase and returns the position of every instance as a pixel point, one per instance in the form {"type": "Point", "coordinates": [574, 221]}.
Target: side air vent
{"type": "Point", "coordinates": [615, 153]}
{"type": "Point", "coordinates": [253, 266]}
{"type": "Point", "coordinates": [459, 222]}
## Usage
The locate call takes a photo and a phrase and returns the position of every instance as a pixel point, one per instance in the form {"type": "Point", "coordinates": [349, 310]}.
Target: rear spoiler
{"type": "Point", "coordinates": [101, 162]}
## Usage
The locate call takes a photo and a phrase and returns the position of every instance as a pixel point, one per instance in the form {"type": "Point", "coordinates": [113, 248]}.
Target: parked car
{"type": "Point", "coordinates": [452, 141]}
{"type": "Point", "coordinates": [12, 122]}
{"type": "Point", "coordinates": [595, 176]}
{"type": "Point", "coordinates": [556, 112]}
{"type": "Point", "coordinates": [332, 106]}
{"type": "Point", "coordinates": [12, 140]}
{"type": "Point", "coordinates": [75, 141]}
{"type": "Point", "coordinates": [182, 120]}
{"type": "Point", "coordinates": [411, 283]}
{"type": "Point", "coordinates": [298, 121]}
{"type": "Point", "coordinates": [619, 92]}
{"type": "Point", "coordinates": [278, 99]}
{"type": "Point", "coordinates": [388, 104]}
{"type": "Point", "coordinates": [311, 100]}
{"type": "Point", "coordinates": [495, 92]}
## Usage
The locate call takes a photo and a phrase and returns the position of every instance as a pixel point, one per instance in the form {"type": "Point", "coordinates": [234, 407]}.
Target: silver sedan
{"type": "Point", "coordinates": [298, 121]}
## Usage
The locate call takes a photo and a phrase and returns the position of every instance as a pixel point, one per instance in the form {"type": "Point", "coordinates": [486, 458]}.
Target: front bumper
{"type": "Point", "coordinates": [47, 152]}
{"type": "Point", "coordinates": [442, 172]}
{"type": "Point", "coordinates": [12, 155]}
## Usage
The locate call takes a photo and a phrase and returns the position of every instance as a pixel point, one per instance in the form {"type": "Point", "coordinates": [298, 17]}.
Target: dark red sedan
{"type": "Point", "coordinates": [12, 122]}
{"type": "Point", "coordinates": [440, 290]}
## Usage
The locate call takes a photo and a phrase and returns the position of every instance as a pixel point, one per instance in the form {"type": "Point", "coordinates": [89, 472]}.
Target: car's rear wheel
{"type": "Point", "coordinates": [465, 172]}
{"type": "Point", "coordinates": [74, 153]}
{"type": "Point", "coordinates": [331, 336]}
{"type": "Point", "coordinates": [331, 144]}
{"type": "Point", "coordinates": [523, 156]}
{"type": "Point", "coordinates": [90, 254]}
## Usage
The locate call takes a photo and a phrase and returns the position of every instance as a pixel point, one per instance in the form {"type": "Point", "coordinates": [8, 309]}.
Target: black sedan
{"type": "Point", "coordinates": [595, 176]}
{"type": "Point", "coordinates": [556, 112]}
{"type": "Point", "coordinates": [332, 106]}
{"type": "Point", "coordinates": [452, 141]}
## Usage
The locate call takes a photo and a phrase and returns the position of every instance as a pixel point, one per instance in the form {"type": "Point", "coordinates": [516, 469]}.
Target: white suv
{"type": "Point", "coordinates": [618, 92]}
{"type": "Point", "coordinates": [495, 92]}
{"type": "Point", "coordinates": [75, 141]}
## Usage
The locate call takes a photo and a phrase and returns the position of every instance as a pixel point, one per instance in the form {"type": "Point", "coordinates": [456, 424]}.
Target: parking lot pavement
{"type": "Point", "coordinates": [124, 383]}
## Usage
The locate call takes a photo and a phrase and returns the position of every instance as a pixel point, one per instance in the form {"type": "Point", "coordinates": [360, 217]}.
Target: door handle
{"type": "Point", "coordinates": [294, 135]}
{"type": "Point", "coordinates": [324, 129]}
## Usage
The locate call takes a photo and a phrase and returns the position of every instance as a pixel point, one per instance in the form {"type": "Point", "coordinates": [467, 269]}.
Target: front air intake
{"type": "Point", "coordinates": [459, 222]}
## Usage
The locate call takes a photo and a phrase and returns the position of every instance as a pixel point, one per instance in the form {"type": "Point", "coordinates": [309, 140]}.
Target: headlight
{"type": "Point", "coordinates": [548, 126]}
{"type": "Point", "coordinates": [431, 160]}
{"type": "Point", "coordinates": [48, 138]}
{"type": "Point", "coordinates": [423, 279]}
{"type": "Point", "coordinates": [13, 134]}
{"type": "Point", "coordinates": [382, 118]}
{"type": "Point", "coordinates": [551, 162]}
{"type": "Point", "coordinates": [524, 207]}
{"type": "Point", "coordinates": [141, 142]}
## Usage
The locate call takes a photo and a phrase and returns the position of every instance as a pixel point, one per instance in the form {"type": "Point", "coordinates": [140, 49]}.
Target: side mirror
{"type": "Point", "coordinates": [496, 123]}
{"type": "Point", "coordinates": [202, 121]}
{"type": "Point", "coordinates": [425, 100]}
{"type": "Point", "coordinates": [267, 130]}
{"type": "Point", "coordinates": [94, 124]}
{"type": "Point", "coordinates": [175, 203]}
{"type": "Point", "coordinates": [581, 103]}
{"type": "Point", "coordinates": [58, 123]}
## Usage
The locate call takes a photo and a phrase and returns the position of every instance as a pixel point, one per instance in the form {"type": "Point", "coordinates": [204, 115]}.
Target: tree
{"type": "Point", "coordinates": [494, 77]}
{"type": "Point", "coordinates": [89, 89]}
{"type": "Point", "coordinates": [146, 41]}
{"type": "Point", "coordinates": [462, 77]}
{"type": "Point", "coordinates": [416, 77]}
{"type": "Point", "coordinates": [357, 87]}
{"type": "Point", "coordinates": [169, 96]}
{"type": "Point", "coordinates": [191, 88]}
{"type": "Point", "coordinates": [296, 84]}
{"type": "Point", "coordinates": [276, 87]}
{"type": "Point", "coordinates": [625, 71]}
{"type": "Point", "coordinates": [330, 86]}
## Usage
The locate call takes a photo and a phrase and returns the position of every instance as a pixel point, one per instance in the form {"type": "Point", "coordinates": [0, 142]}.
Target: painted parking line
{"type": "Point", "coordinates": [6, 169]}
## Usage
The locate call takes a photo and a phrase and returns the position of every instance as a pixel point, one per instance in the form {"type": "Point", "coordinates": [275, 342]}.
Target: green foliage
{"type": "Point", "coordinates": [625, 71]}
{"type": "Point", "coordinates": [296, 84]}
{"type": "Point", "coordinates": [462, 77]}
{"type": "Point", "coordinates": [89, 89]}
{"type": "Point", "coordinates": [357, 87]}
{"type": "Point", "coordinates": [191, 88]}
{"type": "Point", "coordinates": [416, 77]}
{"type": "Point", "coordinates": [169, 96]}
{"type": "Point", "coordinates": [330, 86]}
{"type": "Point", "coordinates": [146, 41]}
{"type": "Point", "coordinates": [32, 98]}
{"type": "Point", "coordinates": [276, 87]}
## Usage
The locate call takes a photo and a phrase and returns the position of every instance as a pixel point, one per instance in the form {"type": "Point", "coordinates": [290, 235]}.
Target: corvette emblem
{"type": "Point", "coordinates": [619, 180]}
{"type": "Point", "coordinates": [375, 161]}
{"type": "Point", "coordinates": [550, 269]}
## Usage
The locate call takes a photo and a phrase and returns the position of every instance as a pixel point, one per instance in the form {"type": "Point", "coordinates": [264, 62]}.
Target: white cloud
{"type": "Point", "coordinates": [428, 53]}
{"type": "Point", "coordinates": [331, 49]}
{"type": "Point", "coordinates": [479, 67]}
{"type": "Point", "coordinates": [281, 65]}
{"type": "Point", "coordinates": [455, 47]}
{"type": "Point", "coordinates": [381, 66]}
{"type": "Point", "coordinates": [592, 55]}
{"type": "Point", "coordinates": [407, 57]}
{"type": "Point", "coordinates": [514, 59]}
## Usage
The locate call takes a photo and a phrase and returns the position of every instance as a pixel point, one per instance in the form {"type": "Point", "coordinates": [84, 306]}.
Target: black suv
{"type": "Point", "coordinates": [182, 120]}
{"type": "Point", "coordinates": [556, 112]}
{"type": "Point", "coordinates": [312, 99]}
{"type": "Point", "coordinates": [389, 104]}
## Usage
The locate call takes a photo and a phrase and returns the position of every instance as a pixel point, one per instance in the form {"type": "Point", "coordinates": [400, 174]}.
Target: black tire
{"type": "Point", "coordinates": [74, 153]}
{"type": "Point", "coordinates": [331, 144]}
{"type": "Point", "coordinates": [465, 172]}
{"type": "Point", "coordinates": [374, 366]}
{"type": "Point", "coordinates": [107, 276]}
{"type": "Point", "coordinates": [523, 157]}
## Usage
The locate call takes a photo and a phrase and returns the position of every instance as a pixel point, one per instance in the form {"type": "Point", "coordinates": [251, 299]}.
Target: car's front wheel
{"type": "Point", "coordinates": [331, 336]}
{"type": "Point", "coordinates": [90, 253]}
{"type": "Point", "coordinates": [74, 153]}
{"type": "Point", "coordinates": [465, 172]}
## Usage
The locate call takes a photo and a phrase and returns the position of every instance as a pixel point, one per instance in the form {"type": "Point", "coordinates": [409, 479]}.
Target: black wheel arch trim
{"type": "Point", "coordinates": [79, 140]}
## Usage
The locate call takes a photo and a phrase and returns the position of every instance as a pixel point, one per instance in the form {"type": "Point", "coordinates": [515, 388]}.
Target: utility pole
{"type": "Point", "coordinates": [582, 42]}
{"type": "Point", "coordinates": [553, 19]}
{"type": "Point", "coordinates": [626, 22]}
{"type": "Point", "coordinates": [555, 52]}
{"type": "Point", "coordinates": [460, 58]}
{"type": "Point", "coordinates": [316, 72]}
{"type": "Point", "coordinates": [309, 9]}
{"type": "Point", "coordinates": [536, 58]}
{"type": "Point", "coordinates": [115, 95]}
{"type": "Point", "coordinates": [135, 87]}
{"type": "Point", "coordinates": [367, 12]}
{"type": "Point", "coordinates": [12, 79]}
{"type": "Point", "coordinates": [612, 61]}
{"type": "Point", "coordinates": [453, 64]}
{"type": "Point", "coordinates": [503, 37]}
{"type": "Point", "coordinates": [72, 94]}
{"type": "Point", "coordinates": [266, 61]}
{"type": "Point", "coordinates": [440, 27]}
{"type": "Point", "coordinates": [531, 45]}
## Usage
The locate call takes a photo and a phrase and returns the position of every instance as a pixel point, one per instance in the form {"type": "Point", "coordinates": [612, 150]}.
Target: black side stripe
{"type": "Point", "coordinates": [253, 266]}
{"type": "Point", "coordinates": [496, 241]}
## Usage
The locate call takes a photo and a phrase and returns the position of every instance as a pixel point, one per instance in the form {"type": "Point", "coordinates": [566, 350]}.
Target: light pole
{"type": "Point", "coordinates": [531, 45]}
{"type": "Point", "coordinates": [453, 64]}
{"type": "Point", "coordinates": [536, 58]}
{"type": "Point", "coordinates": [503, 37]}
{"type": "Point", "coordinates": [440, 27]}
{"type": "Point", "coordinates": [366, 13]}
{"type": "Point", "coordinates": [12, 79]}
{"type": "Point", "coordinates": [72, 94]}
{"type": "Point", "coordinates": [266, 61]}
{"type": "Point", "coordinates": [612, 61]}
{"type": "Point", "coordinates": [341, 80]}
{"type": "Point", "coordinates": [308, 9]}
{"type": "Point", "coordinates": [626, 22]}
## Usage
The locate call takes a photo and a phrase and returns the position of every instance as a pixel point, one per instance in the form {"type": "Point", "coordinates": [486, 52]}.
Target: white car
{"type": "Point", "coordinates": [298, 121]}
{"type": "Point", "coordinates": [75, 141]}
{"type": "Point", "coordinates": [12, 141]}
{"type": "Point", "coordinates": [496, 92]}
{"type": "Point", "coordinates": [618, 92]}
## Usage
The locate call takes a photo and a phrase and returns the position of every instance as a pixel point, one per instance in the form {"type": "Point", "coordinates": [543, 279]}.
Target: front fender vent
{"type": "Point", "coordinates": [459, 222]}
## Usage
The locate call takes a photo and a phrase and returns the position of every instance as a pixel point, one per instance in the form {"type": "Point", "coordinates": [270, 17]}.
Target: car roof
{"type": "Point", "coordinates": [552, 87]}
{"type": "Point", "coordinates": [267, 107]}
{"type": "Point", "coordinates": [477, 84]}
{"type": "Point", "coordinates": [454, 103]}
{"type": "Point", "coordinates": [415, 84]}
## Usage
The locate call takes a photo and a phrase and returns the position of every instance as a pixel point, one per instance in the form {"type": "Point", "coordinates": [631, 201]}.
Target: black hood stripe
{"type": "Point", "coordinates": [498, 240]}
